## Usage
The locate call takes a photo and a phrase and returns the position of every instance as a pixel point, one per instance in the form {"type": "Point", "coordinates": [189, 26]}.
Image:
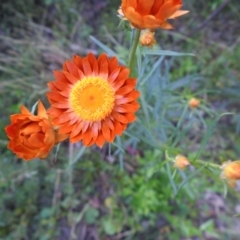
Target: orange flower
{"type": "Point", "coordinates": [147, 39]}
{"type": "Point", "coordinates": [32, 136]}
{"type": "Point", "coordinates": [193, 103]}
{"type": "Point", "coordinates": [181, 162]}
{"type": "Point", "coordinates": [151, 13]}
{"type": "Point", "coordinates": [231, 172]}
{"type": "Point", "coordinates": [92, 100]}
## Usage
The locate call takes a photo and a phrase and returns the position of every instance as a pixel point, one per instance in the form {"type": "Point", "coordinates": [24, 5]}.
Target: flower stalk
{"type": "Point", "coordinates": [133, 51]}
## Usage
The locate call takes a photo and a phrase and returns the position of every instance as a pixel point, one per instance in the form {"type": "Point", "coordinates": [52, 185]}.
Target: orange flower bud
{"type": "Point", "coordinates": [32, 136]}
{"type": "Point", "coordinates": [231, 172]}
{"type": "Point", "coordinates": [193, 103]}
{"type": "Point", "coordinates": [181, 162]}
{"type": "Point", "coordinates": [147, 39]}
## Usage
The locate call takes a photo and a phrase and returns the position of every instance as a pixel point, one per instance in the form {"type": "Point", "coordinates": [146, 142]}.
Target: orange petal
{"type": "Point", "coordinates": [65, 129]}
{"type": "Point", "coordinates": [60, 85]}
{"type": "Point", "coordinates": [150, 22]}
{"type": "Point", "coordinates": [72, 68]}
{"type": "Point", "coordinates": [144, 6]}
{"type": "Point", "coordinates": [103, 66]}
{"type": "Point", "coordinates": [130, 117]}
{"type": "Point", "coordinates": [51, 86]}
{"type": "Point", "coordinates": [109, 123]}
{"type": "Point", "coordinates": [87, 137]}
{"type": "Point", "coordinates": [119, 117]}
{"type": "Point", "coordinates": [117, 128]}
{"type": "Point", "coordinates": [167, 10]}
{"type": "Point", "coordinates": [95, 130]}
{"type": "Point", "coordinates": [55, 112]}
{"type": "Point", "coordinates": [59, 75]}
{"type": "Point", "coordinates": [112, 64]}
{"type": "Point", "coordinates": [86, 67]}
{"type": "Point", "coordinates": [124, 74]}
{"type": "Point", "coordinates": [76, 129]}
{"type": "Point", "coordinates": [41, 110]}
{"type": "Point", "coordinates": [71, 78]}
{"type": "Point", "coordinates": [55, 96]}
{"type": "Point", "coordinates": [77, 61]}
{"type": "Point", "coordinates": [178, 13]}
{"type": "Point", "coordinates": [125, 90]}
{"type": "Point", "coordinates": [36, 139]}
{"type": "Point", "coordinates": [100, 140]}
{"type": "Point", "coordinates": [156, 6]}
{"type": "Point", "coordinates": [32, 127]}
{"type": "Point", "coordinates": [65, 117]}
{"type": "Point", "coordinates": [134, 17]}
{"type": "Point", "coordinates": [12, 130]}
{"type": "Point", "coordinates": [106, 131]}
{"type": "Point", "coordinates": [49, 137]}
{"type": "Point", "coordinates": [61, 105]}
{"type": "Point", "coordinates": [91, 59]}
{"type": "Point", "coordinates": [24, 110]}
{"type": "Point", "coordinates": [60, 137]}
{"type": "Point", "coordinates": [113, 76]}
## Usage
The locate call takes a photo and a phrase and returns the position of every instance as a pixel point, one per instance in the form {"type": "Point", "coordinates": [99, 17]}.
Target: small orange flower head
{"type": "Point", "coordinates": [231, 170]}
{"type": "Point", "coordinates": [181, 162]}
{"type": "Point", "coordinates": [32, 136]}
{"type": "Point", "coordinates": [151, 14]}
{"type": "Point", "coordinates": [147, 39]}
{"type": "Point", "coordinates": [92, 99]}
{"type": "Point", "coordinates": [193, 103]}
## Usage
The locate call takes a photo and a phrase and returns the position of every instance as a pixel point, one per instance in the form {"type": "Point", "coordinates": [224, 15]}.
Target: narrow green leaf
{"type": "Point", "coordinates": [153, 69]}
{"type": "Point", "coordinates": [189, 178]}
{"type": "Point", "coordinates": [144, 107]}
{"type": "Point", "coordinates": [105, 48]}
{"type": "Point", "coordinates": [167, 53]}
{"type": "Point", "coordinates": [170, 177]}
{"type": "Point", "coordinates": [208, 135]}
{"type": "Point", "coordinates": [149, 142]}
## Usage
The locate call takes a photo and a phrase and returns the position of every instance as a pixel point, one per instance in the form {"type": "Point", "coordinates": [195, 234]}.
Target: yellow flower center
{"type": "Point", "coordinates": [92, 98]}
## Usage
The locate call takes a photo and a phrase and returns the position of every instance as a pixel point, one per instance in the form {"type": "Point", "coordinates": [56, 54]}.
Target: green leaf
{"type": "Point", "coordinates": [208, 135]}
{"type": "Point", "coordinates": [167, 53]}
{"type": "Point", "coordinates": [109, 227]}
{"type": "Point", "coordinates": [103, 46]}
{"type": "Point", "coordinates": [189, 178]}
{"type": "Point", "coordinates": [146, 140]}
{"type": "Point", "coordinates": [153, 69]}
{"type": "Point", "coordinates": [171, 179]}
{"type": "Point", "coordinates": [91, 215]}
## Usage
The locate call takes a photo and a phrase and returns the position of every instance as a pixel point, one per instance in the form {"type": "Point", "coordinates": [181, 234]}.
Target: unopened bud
{"type": "Point", "coordinates": [193, 103]}
{"type": "Point", "coordinates": [181, 162]}
{"type": "Point", "coordinates": [231, 170]}
{"type": "Point", "coordinates": [147, 39]}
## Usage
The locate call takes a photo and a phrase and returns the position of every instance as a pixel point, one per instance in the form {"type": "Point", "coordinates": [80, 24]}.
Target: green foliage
{"type": "Point", "coordinates": [129, 190]}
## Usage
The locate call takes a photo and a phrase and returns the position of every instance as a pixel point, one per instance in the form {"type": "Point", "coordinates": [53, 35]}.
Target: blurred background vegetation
{"type": "Point", "coordinates": [123, 192]}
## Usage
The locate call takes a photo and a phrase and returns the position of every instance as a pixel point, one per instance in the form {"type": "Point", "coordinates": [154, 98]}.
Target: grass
{"type": "Point", "coordinates": [128, 190]}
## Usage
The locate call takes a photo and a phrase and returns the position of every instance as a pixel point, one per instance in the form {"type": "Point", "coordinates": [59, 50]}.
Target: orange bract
{"type": "Point", "coordinates": [92, 100]}
{"type": "Point", "coordinates": [32, 136]}
{"type": "Point", "coordinates": [151, 13]}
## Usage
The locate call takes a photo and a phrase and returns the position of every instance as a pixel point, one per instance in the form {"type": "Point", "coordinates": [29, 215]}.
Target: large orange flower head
{"type": "Point", "coordinates": [92, 100]}
{"type": "Point", "coordinates": [151, 13]}
{"type": "Point", "coordinates": [32, 136]}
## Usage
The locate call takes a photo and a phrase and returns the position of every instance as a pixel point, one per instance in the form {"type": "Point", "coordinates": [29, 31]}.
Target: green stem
{"type": "Point", "coordinates": [214, 165]}
{"type": "Point", "coordinates": [133, 51]}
